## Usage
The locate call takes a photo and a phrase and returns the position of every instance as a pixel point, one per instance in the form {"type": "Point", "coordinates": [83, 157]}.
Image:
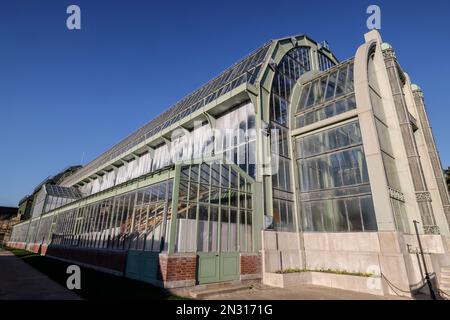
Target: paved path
{"type": "Point", "coordinates": [304, 292]}
{"type": "Point", "coordinates": [20, 281]}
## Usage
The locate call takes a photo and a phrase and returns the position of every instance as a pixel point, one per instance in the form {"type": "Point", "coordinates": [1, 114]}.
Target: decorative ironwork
{"type": "Point", "coordinates": [431, 230]}
{"type": "Point", "coordinates": [423, 196]}
{"type": "Point", "coordinates": [395, 194]}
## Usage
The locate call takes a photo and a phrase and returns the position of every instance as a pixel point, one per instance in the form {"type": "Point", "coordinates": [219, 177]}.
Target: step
{"type": "Point", "coordinates": [447, 273]}
{"type": "Point", "coordinates": [218, 289]}
{"type": "Point", "coordinates": [445, 276]}
{"type": "Point", "coordinates": [445, 282]}
{"type": "Point", "coordinates": [444, 287]}
{"type": "Point", "coordinates": [445, 269]}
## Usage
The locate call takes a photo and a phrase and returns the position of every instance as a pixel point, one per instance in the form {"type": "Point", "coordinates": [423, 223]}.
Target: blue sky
{"type": "Point", "coordinates": [66, 96]}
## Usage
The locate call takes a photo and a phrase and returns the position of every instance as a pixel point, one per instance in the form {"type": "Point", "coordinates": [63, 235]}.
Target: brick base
{"type": "Point", "coordinates": [16, 245]}
{"type": "Point", "coordinates": [34, 247]}
{"type": "Point", "coordinates": [250, 264]}
{"type": "Point", "coordinates": [177, 269]}
{"type": "Point", "coordinates": [100, 258]}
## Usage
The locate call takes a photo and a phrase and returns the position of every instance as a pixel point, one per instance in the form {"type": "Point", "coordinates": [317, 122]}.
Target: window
{"type": "Point", "coordinates": [293, 65]}
{"type": "Point", "coordinates": [335, 191]}
{"type": "Point", "coordinates": [215, 209]}
{"type": "Point", "coordinates": [326, 97]}
{"type": "Point", "coordinates": [325, 63]}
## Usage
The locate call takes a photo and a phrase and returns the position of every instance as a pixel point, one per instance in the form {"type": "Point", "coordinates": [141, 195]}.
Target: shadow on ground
{"type": "Point", "coordinates": [94, 284]}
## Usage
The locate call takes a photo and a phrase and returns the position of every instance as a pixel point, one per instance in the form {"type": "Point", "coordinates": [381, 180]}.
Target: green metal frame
{"type": "Point", "coordinates": [210, 159]}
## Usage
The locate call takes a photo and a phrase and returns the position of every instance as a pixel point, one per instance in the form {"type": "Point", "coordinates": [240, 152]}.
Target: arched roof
{"type": "Point", "coordinates": [248, 69]}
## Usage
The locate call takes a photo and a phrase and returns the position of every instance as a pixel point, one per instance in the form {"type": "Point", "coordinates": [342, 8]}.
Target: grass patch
{"type": "Point", "coordinates": [20, 253]}
{"type": "Point", "coordinates": [95, 285]}
{"type": "Point", "coordinates": [343, 272]}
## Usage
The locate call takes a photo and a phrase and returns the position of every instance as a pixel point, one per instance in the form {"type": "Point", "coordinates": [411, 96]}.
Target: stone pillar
{"type": "Point", "coordinates": [397, 80]}
{"type": "Point", "coordinates": [432, 151]}
{"type": "Point", "coordinates": [372, 150]}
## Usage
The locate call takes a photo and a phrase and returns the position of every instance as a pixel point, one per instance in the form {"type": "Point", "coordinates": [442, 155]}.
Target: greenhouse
{"type": "Point", "coordinates": [289, 159]}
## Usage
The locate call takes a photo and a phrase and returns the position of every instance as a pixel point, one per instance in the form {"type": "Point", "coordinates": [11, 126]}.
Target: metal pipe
{"type": "Point", "coordinates": [427, 275]}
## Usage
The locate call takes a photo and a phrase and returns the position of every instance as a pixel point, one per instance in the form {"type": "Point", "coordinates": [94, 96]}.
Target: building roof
{"type": "Point", "coordinates": [26, 198]}
{"type": "Point", "coordinates": [62, 192]}
{"type": "Point", "coordinates": [57, 178]}
{"type": "Point", "coordinates": [246, 70]}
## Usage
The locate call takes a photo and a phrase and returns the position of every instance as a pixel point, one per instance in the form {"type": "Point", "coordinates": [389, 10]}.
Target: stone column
{"type": "Point", "coordinates": [423, 197]}
{"type": "Point", "coordinates": [432, 150]}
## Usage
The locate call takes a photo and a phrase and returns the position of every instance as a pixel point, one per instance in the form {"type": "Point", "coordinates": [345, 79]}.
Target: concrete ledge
{"type": "Point", "coordinates": [176, 284]}
{"type": "Point", "coordinates": [251, 276]}
{"type": "Point", "coordinates": [218, 289]}
{"type": "Point", "coordinates": [371, 285]}
{"type": "Point", "coordinates": [286, 280]}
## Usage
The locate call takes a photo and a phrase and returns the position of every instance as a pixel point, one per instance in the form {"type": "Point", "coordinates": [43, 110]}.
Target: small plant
{"type": "Point", "coordinates": [291, 271]}
{"type": "Point", "coordinates": [338, 271]}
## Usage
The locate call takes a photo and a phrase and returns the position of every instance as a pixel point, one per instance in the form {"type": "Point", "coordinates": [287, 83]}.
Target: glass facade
{"type": "Point", "coordinates": [294, 64]}
{"type": "Point", "coordinates": [135, 220]}
{"type": "Point", "coordinates": [245, 71]}
{"type": "Point", "coordinates": [57, 196]}
{"type": "Point", "coordinates": [215, 209]}
{"type": "Point", "coordinates": [233, 135]}
{"type": "Point", "coordinates": [319, 174]}
{"type": "Point", "coordinates": [325, 63]}
{"type": "Point", "coordinates": [335, 192]}
{"type": "Point", "coordinates": [328, 96]}
{"type": "Point", "coordinates": [139, 220]}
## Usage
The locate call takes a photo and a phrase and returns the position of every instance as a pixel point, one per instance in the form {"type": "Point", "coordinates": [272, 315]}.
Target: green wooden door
{"type": "Point", "coordinates": [208, 267]}
{"type": "Point", "coordinates": [217, 267]}
{"type": "Point", "coordinates": [229, 266]}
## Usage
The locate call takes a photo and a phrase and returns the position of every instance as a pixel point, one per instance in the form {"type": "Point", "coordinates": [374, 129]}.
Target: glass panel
{"type": "Point", "coordinates": [368, 214]}
{"type": "Point", "coordinates": [224, 229]}
{"type": "Point", "coordinates": [316, 214]}
{"type": "Point", "coordinates": [354, 214]}
{"type": "Point", "coordinates": [213, 227]}
{"type": "Point", "coordinates": [202, 229]}
{"type": "Point", "coordinates": [233, 244]}
{"type": "Point", "coordinates": [340, 87]}
{"type": "Point", "coordinates": [331, 86]}
{"type": "Point", "coordinates": [341, 215]}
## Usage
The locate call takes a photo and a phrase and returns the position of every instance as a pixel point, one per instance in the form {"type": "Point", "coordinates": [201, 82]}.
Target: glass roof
{"type": "Point", "coordinates": [246, 70]}
{"type": "Point", "coordinates": [62, 192]}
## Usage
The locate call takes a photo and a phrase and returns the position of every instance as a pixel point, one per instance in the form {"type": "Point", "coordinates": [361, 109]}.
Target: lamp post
{"type": "Point", "coordinates": [427, 276]}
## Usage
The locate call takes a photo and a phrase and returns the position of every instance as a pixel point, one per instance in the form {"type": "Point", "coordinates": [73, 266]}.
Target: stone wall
{"type": "Point", "coordinates": [392, 254]}
{"type": "Point", "coordinates": [281, 251]}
